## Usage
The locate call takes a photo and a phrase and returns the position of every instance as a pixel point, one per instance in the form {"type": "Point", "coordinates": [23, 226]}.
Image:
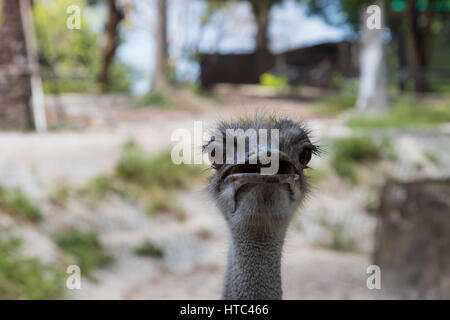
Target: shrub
{"type": "Point", "coordinates": [339, 101]}
{"type": "Point", "coordinates": [149, 249]}
{"type": "Point", "coordinates": [404, 114]}
{"type": "Point", "coordinates": [154, 99]}
{"type": "Point", "coordinates": [134, 166]}
{"type": "Point", "coordinates": [26, 278]}
{"type": "Point", "coordinates": [270, 80]}
{"type": "Point", "coordinates": [16, 203]}
{"type": "Point", "coordinates": [85, 247]}
{"type": "Point", "coordinates": [347, 152]}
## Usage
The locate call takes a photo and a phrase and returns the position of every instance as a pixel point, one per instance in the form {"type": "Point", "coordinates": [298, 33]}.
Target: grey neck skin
{"type": "Point", "coordinates": [253, 266]}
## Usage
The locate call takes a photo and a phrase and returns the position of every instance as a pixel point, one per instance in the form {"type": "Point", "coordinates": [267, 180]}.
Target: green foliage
{"type": "Point", "coordinates": [405, 114]}
{"type": "Point", "coordinates": [350, 10]}
{"type": "Point", "coordinates": [340, 238]}
{"type": "Point", "coordinates": [154, 99]}
{"type": "Point", "coordinates": [433, 158]}
{"type": "Point", "coordinates": [347, 152]}
{"type": "Point", "coordinates": [149, 249]}
{"type": "Point", "coordinates": [158, 171]}
{"type": "Point", "coordinates": [157, 176]}
{"type": "Point", "coordinates": [16, 203]}
{"type": "Point", "coordinates": [138, 177]}
{"type": "Point", "coordinates": [163, 200]}
{"type": "Point", "coordinates": [71, 59]}
{"type": "Point", "coordinates": [340, 101]}
{"type": "Point", "coordinates": [270, 80]}
{"type": "Point", "coordinates": [345, 169]}
{"type": "Point", "coordinates": [61, 193]}
{"type": "Point", "coordinates": [85, 247]}
{"type": "Point", "coordinates": [356, 149]}
{"type": "Point", "coordinates": [197, 89]}
{"type": "Point", "coordinates": [314, 175]}
{"type": "Point", "coordinates": [99, 186]}
{"type": "Point", "coordinates": [25, 278]}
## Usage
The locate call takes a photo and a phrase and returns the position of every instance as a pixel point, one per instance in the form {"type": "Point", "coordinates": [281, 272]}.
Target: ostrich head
{"type": "Point", "coordinates": [259, 187]}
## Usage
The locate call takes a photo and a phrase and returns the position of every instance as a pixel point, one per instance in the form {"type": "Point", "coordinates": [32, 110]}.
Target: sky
{"type": "Point", "coordinates": [229, 31]}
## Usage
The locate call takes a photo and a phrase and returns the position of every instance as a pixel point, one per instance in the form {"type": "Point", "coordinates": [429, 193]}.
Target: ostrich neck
{"type": "Point", "coordinates": [253, 266]}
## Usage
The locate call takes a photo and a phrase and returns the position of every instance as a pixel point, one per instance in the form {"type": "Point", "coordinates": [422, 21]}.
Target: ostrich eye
{"type": "Point", "coordinates": [305, 155]}
{"type": "Point", "coordinates": [212, 159]}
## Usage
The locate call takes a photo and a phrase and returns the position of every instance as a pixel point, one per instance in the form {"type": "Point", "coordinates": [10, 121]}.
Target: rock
{"type": "Point", "coordinates": [412, 241]}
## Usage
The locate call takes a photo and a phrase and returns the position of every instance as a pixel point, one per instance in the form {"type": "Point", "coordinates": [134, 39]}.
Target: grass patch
{"type": "Point", "coordinates": [100, 186]}
{"type": "Point", "coordinates": [335, 103]}
{"type": "Point", "coordinates": [433, 158]}
{"type": "Point", "coordinates": [356, 149]}
{"type": "Point", "coordinates": [61, 193]}
{"type": "Point", "coordinates": [345, 169]}
{"type": "Point", "coordinates": [85, 247]}
{"type": "Point", "coordinates": [154, 99]}
{"type": "Point", "coordinates": [340, 239]}
{"type": "Point", "coordinates": [405, 114]}
{"type": "Point", "coordinates": [16, 203]}
{"type": "Point", "coordinates": [25, 278]}
{"type": "Point", "coordinates": [163, 200]}
{"type": "Point", "coordinates": [347, 152]}
{"type": "Point", "coordinates": [157, 177]}
{"type": "Point", "coordinates": [206, 94]}
{"type": "Point", "coordinates": [149, 249]}
{"type": "Point", "coordinates": [151, 179]}
{"type": "Point", "coordinates": [134, 166]}
{"type": "Point", "coordinates": [315, 175]}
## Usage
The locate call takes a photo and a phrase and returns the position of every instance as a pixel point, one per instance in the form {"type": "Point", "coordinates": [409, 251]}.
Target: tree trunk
{"type": "Point", "coordinates": [261, 11]}
{"type": "Point", "coordinates": [161, 76]}
{"type": "Point", "coordinates": [412, 242]}
{"type": "Point", "coordinates": [115, 16]}
{"type": "Point", "coordinates": [373, 91]}
{"type": "Point", "coordinates": [397, 30]}
{"type": "Point", "coordinates": [417, 28]}
{"type": "Point", "coordinates": [37, 91]}
{"type": "Point", "coordinates": [15, 73]}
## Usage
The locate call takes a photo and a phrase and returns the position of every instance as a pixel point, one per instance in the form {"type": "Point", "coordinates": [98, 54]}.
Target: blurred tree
{"type": "Point", "coordinates": [407, 19]}
{"type": "Point", "coordinates": [161, 76]}
{"type": "Point", "coordinates": [372, 95]}
{"type": "Point", "coordinates": [71, 60]}
{"type": "Point", "coordinates": [373, 85]}
{"type": "Point", "coordinates": [417, 17]}
{"type": "Point", "coordinates": [15, 72]}
{"type": "Point", "coordinates": [261, 12]}
{"type": "Point", "coordinates": [112, 41]}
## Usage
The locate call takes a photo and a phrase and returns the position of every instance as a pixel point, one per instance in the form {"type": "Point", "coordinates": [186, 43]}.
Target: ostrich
{"type": "Point", "coordinates": [258, 207]}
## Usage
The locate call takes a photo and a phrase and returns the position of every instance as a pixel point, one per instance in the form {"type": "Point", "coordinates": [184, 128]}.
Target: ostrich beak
{"type": "Point", "coordinates": [250, 172]}
{"type": "Point", "coordinates": [240, 179]}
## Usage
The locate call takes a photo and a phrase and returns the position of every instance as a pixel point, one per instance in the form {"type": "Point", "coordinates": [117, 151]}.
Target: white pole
{"type": "Point", "coordinates": [37, 93]}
